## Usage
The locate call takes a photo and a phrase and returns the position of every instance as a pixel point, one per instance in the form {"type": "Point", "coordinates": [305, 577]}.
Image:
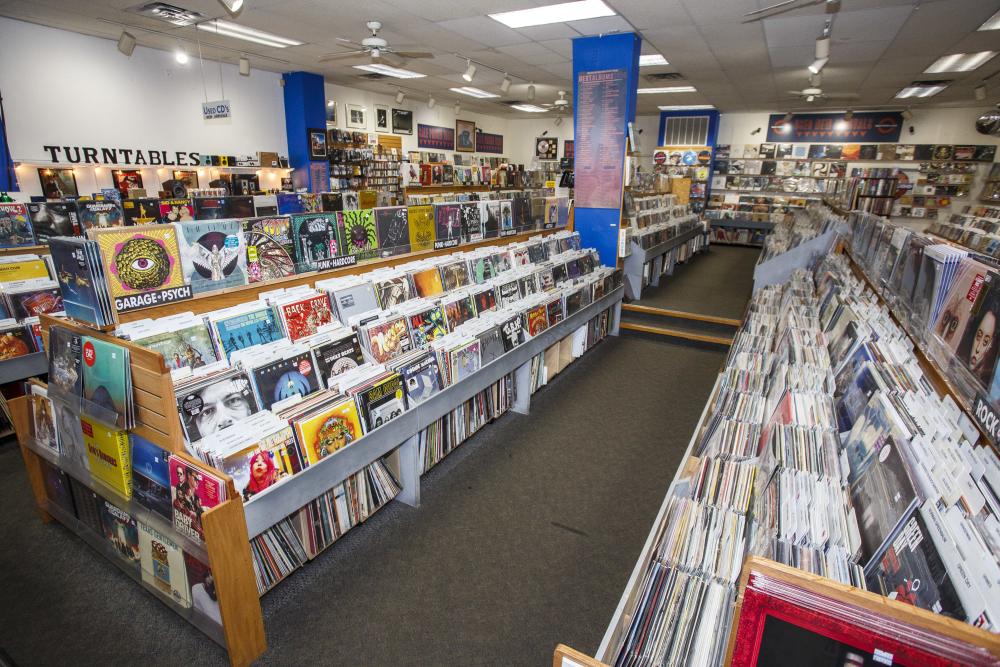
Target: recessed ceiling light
{"type": "Point", "coordinates": [237, 31]}
{"type": "Point", "coordinates": [668, 89]}
{"type": "Point", "coordinates": [566, 11]}
{"type": "Point", "coordinates": [992, 23]}
{"type": "Point", "coordinates": [652, 59]}
{"type": "Point", "coordinates": [472, 92]}
{"type": "Point", "coordinates": [960, 62]}
{"type": "Point", "coordinates": [528, 107]}
{"type": "Point", "coordinates": [396, 72]}
{"type": "Point", "coordinates": [921, 90]}
{"type": "Point", "coordinates": [685, 107]}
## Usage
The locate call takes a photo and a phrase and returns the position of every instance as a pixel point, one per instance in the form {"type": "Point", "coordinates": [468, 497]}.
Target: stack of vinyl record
{"type": "Point", "coordinates": [82, 282]}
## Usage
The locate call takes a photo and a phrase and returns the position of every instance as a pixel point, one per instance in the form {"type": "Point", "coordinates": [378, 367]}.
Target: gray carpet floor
{"type": "Point", "coordinates": [525, 538]}
{"type": "Point", "coordinates": [718, 282]}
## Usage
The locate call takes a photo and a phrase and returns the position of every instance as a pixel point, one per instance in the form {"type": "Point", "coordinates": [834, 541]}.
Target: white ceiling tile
{"type": "Point", "coordinates": [540, 33]}
{"type": "Point", "coordinates": [484, 30]}
{"type": "Point", "coordinates": [563, 47]}
{"type": "Point", "coordinates": [601, 26]}
{"type": "Point", "coordinates": [706, 12]}
{"type": "Point", "coordinates": [644, 14]}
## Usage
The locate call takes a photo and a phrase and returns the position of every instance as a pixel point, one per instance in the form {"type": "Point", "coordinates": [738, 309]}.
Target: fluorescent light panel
{"type": "Point", "coordinates": [685, 107]}
{"type": "Point", "coordinates": [566, 11]}
{"type": "Point", "coordinates": [668, 89]}
{"type": "Point", "coordinates": [473, 92]}
{"type": "Point", "coordinates": [920, 91]}
{"type": "Point", "coordinates": [992, 23]}
{"type": "Point", "coordinates": [238, 31]}
{"type": "Point", "coordinates": [652, 59]}
{"type": "Point", "coordinates": [390, 71]}
{"type": "Point", "coordinates": [960, 62]}
{"type": "Point", "coordinates": [528, 107]}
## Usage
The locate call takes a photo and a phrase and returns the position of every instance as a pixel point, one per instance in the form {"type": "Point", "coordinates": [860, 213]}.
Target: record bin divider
{"type": "Point", "coordinates": [923, 619]}
{"type": "Point", "coordinates": [226, 544]}
{"type": "Point", "coordinates": [623, 613]}
{"type": "Point", "coordinates": [231, 296]}
{"type": "Point", "coordinates": [564, 656]}
{"type": "Point", "coordinates": [640, 256]}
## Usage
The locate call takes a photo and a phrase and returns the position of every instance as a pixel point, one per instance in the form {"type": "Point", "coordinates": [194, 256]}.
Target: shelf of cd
{"type": "Point", "coordinates": [665, 247]}
{"type": "Point", "coordinates": [636, 261]}
{"type": "Point", "coordinates": [318, 478]}
{"type": "Point", "coordinates": [742, 224]}
{"type": "Point", "coordinates": [23, 367]}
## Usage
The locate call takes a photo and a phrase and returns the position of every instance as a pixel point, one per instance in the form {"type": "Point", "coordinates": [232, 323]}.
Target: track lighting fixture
{"type": "Point", "coordinates": [980, 92]}
{"type": "Point", "coordinates": [400, 96]}
{"type": "Point", "coordinates": [907, 114]}
{"type": "Point", "coordinates": [232, 7]}
{"type": "Point", "coordinates": [558, 121]}
{"type": "Point", "coordinates": [531, 91]}
{"type": "Point", "coordinates": [818, 65]}
{"type": "Point", "coordinates": [458, 108]}
{"type": "Point", "coordinates": [505, 84]}
{"type": "Point", "coordinates": [126, 43]}
{"type": "Point", "coordinates": [431, 102]}
{"type": "Point", "coordinates": [788, 117]}
{"type": "Point", "coordinates": [244, 66]}
{"type": "Point", "coordinates": [470, 71]}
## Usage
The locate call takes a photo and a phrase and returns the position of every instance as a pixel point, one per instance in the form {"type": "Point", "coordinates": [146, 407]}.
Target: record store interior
{"type": "Point", "coordinates": [313, 350]}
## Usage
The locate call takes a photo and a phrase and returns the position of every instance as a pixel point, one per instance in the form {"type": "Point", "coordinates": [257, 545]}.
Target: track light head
{"type": "Point", "coordinates": [126, 43]}
{"type": "Point", "coordinates": [458, 107]}
{"type": "Point", "coordinates": [980, 92]}
{"type": "Point", "coordinates": [848, 115]}
{"type": "Point", "coordinates": [558, 121]}
{"type": "Point", "coordinates": [470, 71]}
{"type": "Point", "coordinates": [788, 117]}
{"type": "Point", "coordinates": [431, 102]}
{"type": "Point", "coordinates": [823, 47]}
{"type": "Point", "coordinates": [232, 7]}
{"type": "Point", "coordinates": [400, 96]}
{"type": "Point", "coordinates": [244, 66]}
{"type": "Point", "coordinates": [531, 91]}
{"type": "Point", "coordinates": [907, 114]}
{"type": "Point", "coordinates": [505, 84]}
{"type": "Point", "coordinates": [817, 66]}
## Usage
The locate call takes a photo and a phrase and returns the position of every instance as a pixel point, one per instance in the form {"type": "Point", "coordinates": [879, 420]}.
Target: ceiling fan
{"type": "Point", "coordinates": [376, 48]}
{"type": "Point", "coordinates": [814, 93]}
{"type": "Point", "coordinates": [832, 7]}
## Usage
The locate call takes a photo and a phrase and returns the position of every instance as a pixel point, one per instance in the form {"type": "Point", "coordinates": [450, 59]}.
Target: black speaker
{"type": "Point", "coordinates": [176, 188]}
{"type": "Point", "coordinates": [220, 183]}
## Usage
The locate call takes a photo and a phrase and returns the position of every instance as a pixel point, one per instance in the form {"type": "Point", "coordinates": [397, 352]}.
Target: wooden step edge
{"type": "Point", "coordinates": [702, 338]}
{"type": "Point", "coordinates": [680, 314]}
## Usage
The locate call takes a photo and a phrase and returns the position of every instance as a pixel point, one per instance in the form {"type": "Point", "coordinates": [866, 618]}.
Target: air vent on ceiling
{"type": "Point", "coordinates": [373, 76]}
{"type": "Point", "coordinates": [664, 76]}
{"type": "Point", "coordinates": [171, 14]}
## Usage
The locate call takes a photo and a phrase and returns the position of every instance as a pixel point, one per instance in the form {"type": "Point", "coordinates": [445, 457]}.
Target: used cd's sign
{"type": "Point", "coordinates": [217, 109]}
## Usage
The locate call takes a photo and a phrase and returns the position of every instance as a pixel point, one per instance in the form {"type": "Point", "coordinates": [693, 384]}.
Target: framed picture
{"type": "Point", "coordinates": [126, 179]}
{"type": "Point", "coordinates": [465, 136]}
{"type": "Point", "coordinates": [568, 146]}
{"type": "Point", "coordinates": [356, 118]}
{"type": "Point", "coordinates": [317, 144]}
{"type": "Point", "coordinates": [402, 121]}
{"type": "Point", "coordinates": [546, 148]}
{"type": "Point", "coordinates": [189, 178]}
{"type": "Point", "coordinates": [331, 112]}
{"type": "Point", "coordinates": [58, 183]}
{"type": "Point", "coordinates": [381, 118]}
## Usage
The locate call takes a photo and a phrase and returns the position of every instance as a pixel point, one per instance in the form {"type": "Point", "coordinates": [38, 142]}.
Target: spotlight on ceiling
{"type": "Point", "coordinates": [788, 117]}
{"type": "Point", "coordinates": [126, 43]}
{"type": "Point", "coordinates": [558, 121]}
{"type": "Point", "coordinates": [458, 108]}
{"type": "Point", "coordinates": [907, 114]}
{"type": "Point", "coordinates": [244, 66]}
{"type": "Point", "coordinates": [980, 92]}
{"type": "Point", "coordinates": [431, 102]}
{"type": "Point", "coordinates": [505, 84]}
{"type": "Point", "coordinates": [818, 65]}
{"type": "Point", "coordinates": [181, 56]}
{"type": "Point", "coordinates": [470, 71]}
{"type": "Point", "coordinates": [823, 47]}
{"type": "Point", "coordinates": [531, 91]}
{"type": "Point", "coordinates": [400, 96]}
{"type": "Point", "coordinates": [232, 7]}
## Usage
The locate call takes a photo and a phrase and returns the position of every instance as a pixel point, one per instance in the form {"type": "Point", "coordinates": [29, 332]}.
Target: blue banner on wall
{"type": "Point", "coordinates": [434, 136]}
{"type": "Point", "coordinates": [864, 127]}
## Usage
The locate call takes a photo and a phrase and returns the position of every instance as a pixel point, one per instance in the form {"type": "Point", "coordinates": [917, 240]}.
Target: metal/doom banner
{"type": "Point", "coordinates": [863, 127]}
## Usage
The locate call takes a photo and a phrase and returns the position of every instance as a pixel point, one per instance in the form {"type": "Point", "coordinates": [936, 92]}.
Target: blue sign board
{"type": "Point", "coordinates": [863, 127]}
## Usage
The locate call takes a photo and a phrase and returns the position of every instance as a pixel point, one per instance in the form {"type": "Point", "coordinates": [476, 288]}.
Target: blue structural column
{"type": "Point", "coordinates": [8, 181]}
{"type": "Point", "coordinates": [599, 227]}
{"type": "Point", "coordinates": [305, 109]}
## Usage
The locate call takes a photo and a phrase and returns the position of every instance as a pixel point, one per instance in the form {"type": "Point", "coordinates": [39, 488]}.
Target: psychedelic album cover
{"type": "Point", "coordinates": [106, 380]}
{"type": "Point", "coordinates": [329, 430]}
{"type": "Point", "coordinates": [270, 250]}
{"type": "Point", "coordinates": [427, 326]}
{"type": "Point", "coordinates": [142, 262]}
{"type": "Point", "coordinates": [454, 275]}
{"type": "Point", "coordinates": [192, 493]}
{"type": "Point", "coordinates": [389, 339]}
{"type": "Point", "coordinates": [382, 402]}
{"type": "Point", "coordinates": [214, 255]}
{"type": "Point", "coordinates": [421, 379]}
{"type": "Point", "coordinates": [15, 227]}
{"type": "Point", "coordinates": [304, 317]}
{"type": "Point", "coordinates": [489, 214]}
{"type": "Point", "coordinates": [100, 214]}
{"type": "Point", "coordinates": [247, 329]}
{"type": "Point", "coordinates": [512, 332]}
{"type": "Point", "coordinates": [486, 300]}
{"type": "Point", "coordinates": [318, 241]}
{"type": "Point", "coordinates": [472, 224]}
{"type": "Point", "coordinates": [190, 347]}
{"type": "Point", "coordinates": [448, 222]}
{"type": "Point", "coordinates": [150, 478]}
{"type": "Point", "coordinates": [360, 235]}
{"type": "Point", "coordinates": [49, 219]}
{"type": "Point", "coordinates": [428, 282]}
{"type": "Point", "coordinates": [176, 210]}
{"type": "Point", "coordinates": [121, 530]}
{"type": "Point", "coordinates": [215, 405]}
{"type": "Point", "coordinates": [393, 230]}
{"type": "Point", "coordinates": [421, 227]}
{"type": "Point", "coordinates": [537, 320]}
{"type": "Point", "coordinates": [337, 356]}
{"type": "Point", "coordinates": [36, 302]}
{"type": "Point", "coordinates": [141, 211]}
{"type": "Point", "coordinates": [393, 291]}
{"type": "Point", "coordinates": [459, 311]}
{"type": "Point", "coordinates": [465, 361]}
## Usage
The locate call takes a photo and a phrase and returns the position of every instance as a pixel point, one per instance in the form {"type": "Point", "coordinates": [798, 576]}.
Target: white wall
{"type": "Point", "coordinates": [67, 89]}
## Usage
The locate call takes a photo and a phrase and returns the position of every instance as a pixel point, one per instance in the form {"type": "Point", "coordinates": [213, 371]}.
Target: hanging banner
{"type": "Point", "coordinates": [600, 131]}
{"type": "Point", "coordinates": [864, 126]}
{"type": "Point", "coordinates": [434, 136]}
{"type": "Point", "coordinates": [489, 143]}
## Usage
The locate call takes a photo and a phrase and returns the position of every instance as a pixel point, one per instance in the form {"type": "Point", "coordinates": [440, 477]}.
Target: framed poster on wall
{"type": "Point", "coordinates": [568, 148]}
{"type": "Point", "coordinates": [357, 118]}
{"type": "Point", "coordinates": [402, 121]}
{"type": "Point", "coordinates": [381, 118]}
{"type": "Point", "coordinates": [58, 183]}
{"type": "Point", "coordinates": [546, 148]}
{"type": "Point", "coordinates": [331, 112]}
{"type": "Point", "coordinates": [126, 179]}
{"type": "Point", "coordinates": [188, 178]}
{"type": "Point", "coordinates": [465, 136]}
{"type": "Point", "coordinates": [317, 144]}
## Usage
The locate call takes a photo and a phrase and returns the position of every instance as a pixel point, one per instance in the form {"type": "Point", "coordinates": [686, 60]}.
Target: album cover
{"type": "Point", "coordinates": [472, 225]}
{"type": "Point", "coordinates": [428, 282]}
{"type": "Point", "coordinates": [284, 378]}
{"type": "Point", "coordinates": [162, 565]}
{"type": "Point", "coordinates": [393, 230]}
{"type": "Point", "coordinates": [106, 379]}
{"type": "Point", "coordinates": [125, 180]}
{"type": "Point", "coordinates": [329, 430]}
{"type": "Point", "coordinates": [459, 311]}
{"type": "Point", "coordinates": [489, 215]}
{"type": "Point", "coordinates": [421, 227]}
{"type": "Point", "coordinates": [454, 275]}
{"type": "Point", "coordinates": [216, 405]}
{"type": "Point", "coordinates": [140, 211]}
{"type": "Point", "coordinates": [483, 269]}
{"type": "Point", "coordinates": [140, 260]}
{"type": "Point", "coordinates": [360, 234]}
{"type": "Point", "coordinates": [448, 222]}
{"type": "Point", "coordinates": [49, 219]}
{"type": "Point", "coordinates": [465, 361]}
{"type": "Point", "coordinates": [512, 332]}
{"type": "Point", "coordinates": [270, 250]}
{"type": "Point", "coordinates": [490, 345]}
{"type": "Point", "coordinates": [15, 227]}
{"type": "Point", "coordinates": [337, 356]}
{"type": "Point", "coordinates": [34, 303]}
{"type": "Point", "coordinates": [209, 208]}
{"type": "Point", "coordinates": [393, 291]}
{"type": "Point", "coordinates": [176, 210]}
{"type": "Point", "coordinates": [382, 402]}
{"type": "Point", "coordinates": [192, 493]}
{"type": "Point", "coordinates": [107, 455]}
{"type": "Point", "coordinates": [427, 325]}
{"type": "Point", "coordinates": [537, 320]}
{"type": "Point", "coordinates": [388, 339]}
{"type": "Point", "coordinates": [121, 530]}
{"type": "Point", "coordinates": [241, 331]}
{"type": "Point", "coordinates": [318, 241]}
{"type": "Point", "coordinates": [515, 213]}
{"type": "Point", "coordinates": [421, 379]}
{"type": "Point", "coordinates": [191, 347]}
{"type": "Point", "coordinates": [485, 300]}
{"type": "Point", "coordinates": [150, 477]}
{"type": "Point", "coordinates": [354, 299]}
{"type": "Point", "coordinates": [304, 317]}
{"type": "Point", "coordinates": [214, 255]}
{"type": "Point", "coordinates": [923, 152]}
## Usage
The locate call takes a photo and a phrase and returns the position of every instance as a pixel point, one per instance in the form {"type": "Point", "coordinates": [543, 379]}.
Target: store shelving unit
{"type": "Point", "coordinates": [24, 367]}
{"type": "Point", "coordinates": [662, 258]}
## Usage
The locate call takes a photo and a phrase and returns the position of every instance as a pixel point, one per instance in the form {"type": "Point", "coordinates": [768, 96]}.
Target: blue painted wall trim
{"type": "Point", "coordinates": [599, 227]}
{"type": "Point", "coordinates": [713, 135]}
{"type": "Point", "coordinates": [305, 107]}
{"type": "Point", "coordinates": [8, 180]}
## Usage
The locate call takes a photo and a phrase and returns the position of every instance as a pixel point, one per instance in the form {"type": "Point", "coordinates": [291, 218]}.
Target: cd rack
{"type": "Point", "coordinates": [662, 256]}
